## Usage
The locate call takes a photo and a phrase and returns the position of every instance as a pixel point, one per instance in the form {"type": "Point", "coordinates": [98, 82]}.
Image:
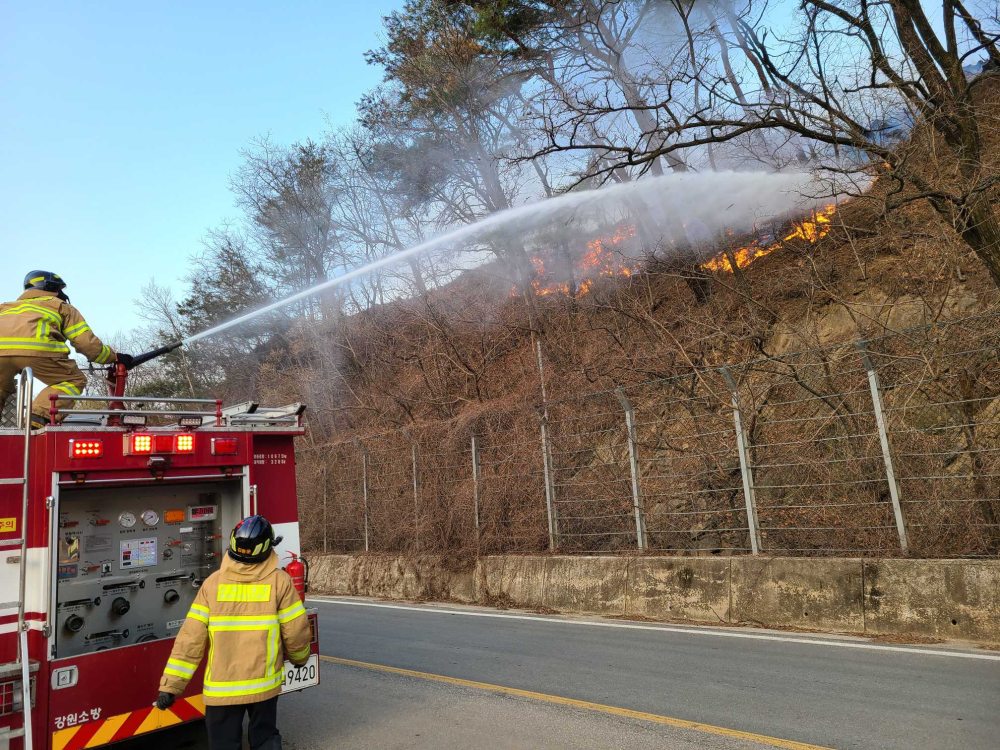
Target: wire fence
{"type": "Point", "coordinates": [886, 446]}
{"type": "Point", "coordinates": [8, 413]}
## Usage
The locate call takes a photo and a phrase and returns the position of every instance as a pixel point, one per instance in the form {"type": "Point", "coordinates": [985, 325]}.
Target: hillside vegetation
{"type": "Point", "coordinates": [463, 360]}
{"type": "Point", "coordinates": [645, 310]}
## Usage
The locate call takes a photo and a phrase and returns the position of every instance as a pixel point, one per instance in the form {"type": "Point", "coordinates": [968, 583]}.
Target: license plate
{"type": "Point", "coordinates": [300, 678]}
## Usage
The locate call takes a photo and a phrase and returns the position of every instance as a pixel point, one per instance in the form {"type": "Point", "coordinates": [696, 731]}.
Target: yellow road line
{"type": "Point", "coordinates": [587, 705]}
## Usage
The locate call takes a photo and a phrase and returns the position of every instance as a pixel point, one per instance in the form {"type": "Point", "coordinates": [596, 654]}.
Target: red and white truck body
{"type": "Point", "coordinates": [124, 523]}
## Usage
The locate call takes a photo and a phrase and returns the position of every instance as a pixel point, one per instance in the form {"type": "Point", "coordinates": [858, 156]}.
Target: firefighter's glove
{"type": "Point", "coordinates": [165, 701]}
{"type": "Point", "coordinates": [125, 359]}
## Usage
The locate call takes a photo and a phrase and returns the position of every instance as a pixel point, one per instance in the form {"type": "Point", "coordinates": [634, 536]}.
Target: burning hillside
{"type": "Point", "coordinates": [811, 231]}
{"type": "Point", "coordinates": [604, 257]}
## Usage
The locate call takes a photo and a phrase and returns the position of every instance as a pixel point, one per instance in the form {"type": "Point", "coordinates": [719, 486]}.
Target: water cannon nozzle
{"type": "Point", "coordinates": [141, 358]}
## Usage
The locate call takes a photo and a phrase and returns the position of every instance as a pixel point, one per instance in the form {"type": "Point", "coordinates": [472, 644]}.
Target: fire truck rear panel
{"type": "Point", "coordinates": [110, 581]}
{"type": "Point", "coordinates": [131, 559]}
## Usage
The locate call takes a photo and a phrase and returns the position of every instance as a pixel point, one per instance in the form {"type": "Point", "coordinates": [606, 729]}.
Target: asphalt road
{"type": "Point", "coordinates": [358, 709]}
{"type": "Point", "coordinates": [820, 690]}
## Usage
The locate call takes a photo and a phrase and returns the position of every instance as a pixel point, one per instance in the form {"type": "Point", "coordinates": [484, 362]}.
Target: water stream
{"type": "Point", "coordinates": [716, 200]}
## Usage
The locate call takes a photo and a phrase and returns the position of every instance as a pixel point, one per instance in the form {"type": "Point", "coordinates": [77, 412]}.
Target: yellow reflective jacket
{"type": "Point", "coordinates": [251, 617]}
{"type": "Point", "coordinates": [39, 324]}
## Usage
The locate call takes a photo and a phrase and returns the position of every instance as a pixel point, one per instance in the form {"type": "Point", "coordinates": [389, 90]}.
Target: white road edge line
{"type": "Point", "coordinates": [668, 629]}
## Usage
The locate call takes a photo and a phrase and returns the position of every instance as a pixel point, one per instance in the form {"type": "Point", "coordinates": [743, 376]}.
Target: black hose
{"type": "Point", "coordinates": [139, 359]}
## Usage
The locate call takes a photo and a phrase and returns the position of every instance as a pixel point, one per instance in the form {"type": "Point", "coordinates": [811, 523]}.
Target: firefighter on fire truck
{"type": "Point", "coordinates": [35, 332]}
{"type": "Point", "coordinates": [250, 613]}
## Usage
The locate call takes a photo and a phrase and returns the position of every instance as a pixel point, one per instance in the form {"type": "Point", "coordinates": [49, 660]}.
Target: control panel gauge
{"type": "Point", "coordinates": [131, 558]}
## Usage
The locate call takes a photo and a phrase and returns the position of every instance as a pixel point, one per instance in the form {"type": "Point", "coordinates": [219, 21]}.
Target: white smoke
{"type": "Point", "coordinates": [718, 201]}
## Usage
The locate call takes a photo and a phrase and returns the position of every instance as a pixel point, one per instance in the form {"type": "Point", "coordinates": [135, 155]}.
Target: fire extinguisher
{"type": "Point", "coordinates": [298, 569]}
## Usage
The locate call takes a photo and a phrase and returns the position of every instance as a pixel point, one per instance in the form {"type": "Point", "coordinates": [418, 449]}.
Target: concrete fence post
{"type": "Point", "coordinates": [883, 435]}
{"type": "Point", "coordinates": [475, 486]}
{"type": "Point", "coordinates": [742, 445]}
{"type": "Point", "coordinates": [633, 459]}
{"type": "Point", "coordinates": [550, 504]}
{"type": "Point", "coordinates": [550, 499]}
{"type": "Point", "coordinates": [364, 487]}
{"type": "Point", "coordinates": [326, 498]}
{"type": "Point", "coordinates": [416, 495]}
{"type": "Point", "coordinates": [415, 472]}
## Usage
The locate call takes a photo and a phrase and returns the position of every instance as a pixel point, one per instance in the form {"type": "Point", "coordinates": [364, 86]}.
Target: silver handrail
{"type": "Point", "coordinates": [262, 418]}
{"type": "Point", "coordinates": [144, 399]}
{"type": "Point", "coordinates": [140, 412]}
{"type": "Point", "coordinates": [185, 412]}
{"type": "Point", "coordinates": [25, 392]}
{"type": "Point", "coordinates": [50, 504]}
{"type": "Point", "coordinates": [19, 416]}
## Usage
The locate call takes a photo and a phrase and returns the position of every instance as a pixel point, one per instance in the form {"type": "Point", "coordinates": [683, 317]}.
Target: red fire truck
{"type": "Point", "coordinates": [109, 522]}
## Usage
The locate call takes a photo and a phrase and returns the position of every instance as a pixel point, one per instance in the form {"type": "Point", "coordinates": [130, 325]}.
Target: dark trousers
{"type": "Point", "coordinates": [225, 726]}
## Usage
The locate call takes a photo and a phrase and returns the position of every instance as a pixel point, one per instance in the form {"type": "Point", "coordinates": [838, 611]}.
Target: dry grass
{"type": "Point", "coordinates": [906, 639]}
{"type": "Point", "coordinates": [545, 611]}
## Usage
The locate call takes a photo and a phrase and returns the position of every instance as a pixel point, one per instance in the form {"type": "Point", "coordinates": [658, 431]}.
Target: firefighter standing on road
{"type": "Point", "coordinates": [252, 617]}
{"type": "Point", "coordinates": [35, 332]}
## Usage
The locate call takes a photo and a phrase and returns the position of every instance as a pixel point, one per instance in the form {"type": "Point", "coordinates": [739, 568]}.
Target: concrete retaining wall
{"type": "Point", "coordinates": [823, 593]}
{"type": "Point", "coordinates": [592, 585]}
{"type": "Point", "coordinates": [939, 598]}
{"type": "Point", "coordinates": [518, 580]}
{"type": "Point", "coordinates": [679, 588]}
{"type": "Point", "coordinates": [390, 577]}
{"type": "Point", "coordinates": [953, 599]}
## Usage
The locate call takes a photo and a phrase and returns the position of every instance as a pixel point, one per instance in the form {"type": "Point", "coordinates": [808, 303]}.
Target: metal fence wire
{"type": "Point", "coordinates": [941, 402]}
{"type": "Point", "coordinates": [332, 517]}
{"type": "Point", "coordinates": [8, 410]}
{"type": "Point", "coordinates": [688, 465]}
{"type": "Point", "coordinates": [8, 414]}
{"type": "Point", "coordinates": [815, 454]}
{"type": "Point", "coordinates": [885, 446]}
{"type": "Point", "coordinates": [590, 480]}
{"type": "Point", "coordinates": [509, 480]}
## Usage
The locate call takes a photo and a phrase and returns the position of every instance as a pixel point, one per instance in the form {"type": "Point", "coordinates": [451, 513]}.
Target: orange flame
{"type": "Point", "coordinates": [811, 231]}
{"type": "Point", "coordinates": [599, 260]}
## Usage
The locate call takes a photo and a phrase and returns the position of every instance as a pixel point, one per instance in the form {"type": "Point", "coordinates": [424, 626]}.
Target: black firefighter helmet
{"type": "Point", "coordinates": [252, 540]}
{"type": "Point", "coordinates": [44, 280]}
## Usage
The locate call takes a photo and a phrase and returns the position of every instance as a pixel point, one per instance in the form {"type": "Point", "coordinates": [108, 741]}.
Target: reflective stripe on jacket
{"type": "Point", "coordinates": [251, 618]}
{"type": "Point", "coordinates": [40, 324]}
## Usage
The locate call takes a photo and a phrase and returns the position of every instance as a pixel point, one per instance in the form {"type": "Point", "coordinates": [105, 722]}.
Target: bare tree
{"type": "Point", "coordinates": [870, 84]}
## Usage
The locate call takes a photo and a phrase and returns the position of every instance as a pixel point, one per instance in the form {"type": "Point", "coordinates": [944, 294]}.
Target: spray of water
{"type": "Point", "coordinates": [717, 200]}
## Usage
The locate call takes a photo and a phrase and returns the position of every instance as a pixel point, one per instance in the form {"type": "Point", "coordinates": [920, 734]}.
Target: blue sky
{"type": "Point", "coordinates": [122, 121]}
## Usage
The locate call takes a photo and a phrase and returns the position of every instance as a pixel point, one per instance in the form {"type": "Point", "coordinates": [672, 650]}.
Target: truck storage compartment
{"type": "Point", "coordinates": [131, 559]}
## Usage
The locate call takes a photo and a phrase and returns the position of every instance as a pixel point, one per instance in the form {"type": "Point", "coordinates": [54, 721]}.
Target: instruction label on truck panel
{"type": "Point", "coordinates": [137, 553]}
{"type": "Point", "coordinates": [97, 543]}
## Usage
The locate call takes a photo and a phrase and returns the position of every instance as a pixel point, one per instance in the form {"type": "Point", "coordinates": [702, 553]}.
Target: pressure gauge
{"type": "Point", "coordinates": [150, 517]}
{"type": "Point", "coordinates": [127, 519]}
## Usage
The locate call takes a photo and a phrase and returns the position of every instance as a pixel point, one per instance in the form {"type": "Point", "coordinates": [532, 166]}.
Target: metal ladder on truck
{"type": "Point", "coordinates": [21, 664]}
